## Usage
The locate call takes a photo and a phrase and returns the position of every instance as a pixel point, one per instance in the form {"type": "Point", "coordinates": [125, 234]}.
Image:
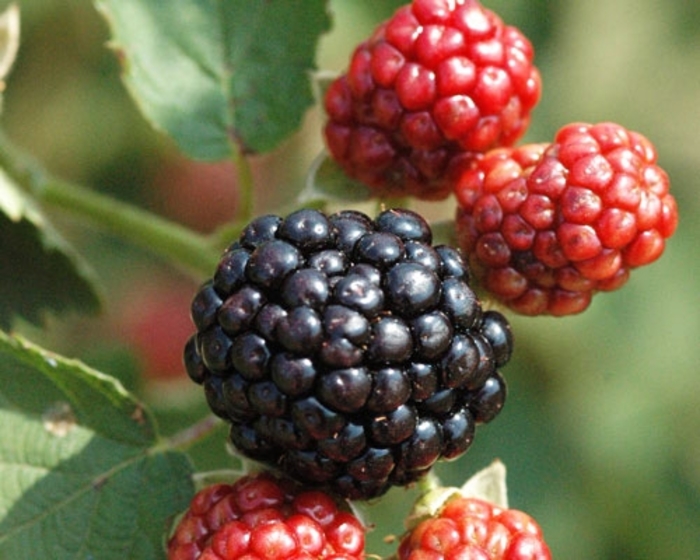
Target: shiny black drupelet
{"type": "Point", "coordinates": [347, 352]}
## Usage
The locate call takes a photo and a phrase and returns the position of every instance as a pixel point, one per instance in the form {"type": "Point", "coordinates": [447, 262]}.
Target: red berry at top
{"type": "Point", "coordinates": [437, 83]}
{"type": "Point", "coordinates": [548, 225]}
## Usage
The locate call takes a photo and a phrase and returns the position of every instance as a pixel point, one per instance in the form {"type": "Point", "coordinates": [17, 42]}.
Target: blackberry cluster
{"type": "Point", "coordinates": [349, 353]}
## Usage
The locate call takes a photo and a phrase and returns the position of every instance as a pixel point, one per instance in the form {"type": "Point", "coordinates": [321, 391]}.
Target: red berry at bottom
{"type": "Point", "coordinates": [546, 226]}
{"type": "Point", "coordinates": [474, 529]}
{"type": "Point", "coordinates": [260, 517]}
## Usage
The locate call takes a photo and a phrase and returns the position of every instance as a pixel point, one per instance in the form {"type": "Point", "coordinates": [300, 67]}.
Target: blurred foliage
{"type": "Point", "coordinates": [600, 433]}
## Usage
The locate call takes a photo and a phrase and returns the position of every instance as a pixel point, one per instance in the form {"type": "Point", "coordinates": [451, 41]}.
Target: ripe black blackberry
{"type": "Point", "coordinates": [350, 353]}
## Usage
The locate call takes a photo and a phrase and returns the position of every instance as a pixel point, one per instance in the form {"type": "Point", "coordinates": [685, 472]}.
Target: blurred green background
{"type": "Point", "coordinates": [601, 431]}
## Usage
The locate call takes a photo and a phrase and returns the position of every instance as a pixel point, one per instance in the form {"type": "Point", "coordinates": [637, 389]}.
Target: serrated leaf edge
{"type": "Point", "coordinates": [139, 413]}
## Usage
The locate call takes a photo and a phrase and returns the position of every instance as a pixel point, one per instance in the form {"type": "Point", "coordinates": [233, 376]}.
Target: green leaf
{"type": "Point", "coordinates": [212, 72]}
{"type": "Point", "coordinates": [327, 181]}
{"type": "Point", "coordinates": [40, 271]}
{"type": "Point", "coordinates": [81, 472]}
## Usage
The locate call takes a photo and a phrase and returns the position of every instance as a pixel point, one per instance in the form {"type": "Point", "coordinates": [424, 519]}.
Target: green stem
{"type": "Point", "coordinates": [226, 476]}
{"type": "Point", "coordinates": [428, 483]}
{"type": "Point", "coordinates": [177, 244]}
{"type": "Point", "coordinates": [192, 434]}
{"type": "Point", "coordinates": [172, 241]}
{"type": "Point", "coordinates": [246, 185]}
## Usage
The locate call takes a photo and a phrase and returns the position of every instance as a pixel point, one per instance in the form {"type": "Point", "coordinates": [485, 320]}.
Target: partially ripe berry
{"type": "Point", "coordinates": [475, 529]}
{"type": "Point", "coordinates": [263, 517]}
{"type": "Point", "coordinates": [546, 226]}
{"type": "Point", "coordinates": [473, 522]}
{"type": "Point", "coordinates": [434, 85]}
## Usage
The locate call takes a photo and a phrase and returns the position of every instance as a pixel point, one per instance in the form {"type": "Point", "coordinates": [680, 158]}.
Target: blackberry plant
{"type": "Point", "coordinates": [350, 330]}
{"type": "Point", "coordinates": [345, 351]}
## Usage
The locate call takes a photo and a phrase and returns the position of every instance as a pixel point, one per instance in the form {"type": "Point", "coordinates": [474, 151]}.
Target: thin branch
{"type": "Point", "coordinates": [177, 244]}
{"type": "Point", "coordinates": [192, 434]}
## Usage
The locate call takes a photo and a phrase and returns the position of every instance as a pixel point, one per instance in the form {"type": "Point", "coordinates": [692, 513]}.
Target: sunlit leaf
{"type": "Point", "coordinates": [213, 72]}
{"type": "Point", "coordinates": [81, 474]}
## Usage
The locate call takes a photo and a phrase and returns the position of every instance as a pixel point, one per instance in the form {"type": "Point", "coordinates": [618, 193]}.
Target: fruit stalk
{"type": "Point", "coordinates": [194, 433]}
{"type": "Point", "coordinates": [175, 243]}
{"type": "Point", "coordinates": [246, 185]}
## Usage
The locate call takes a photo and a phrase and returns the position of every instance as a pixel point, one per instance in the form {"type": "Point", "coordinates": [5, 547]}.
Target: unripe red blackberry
{"type": "Point", "coordinates": [350, 353]}
{"type": "Point", "coordinates": [475, 529]}
{"type": "Point", "coordinates": [546, 226]}
{"type": "Point", "coordinates": [260, 516]}
{"type": "Point", "coordinates": [473, 522]}
{"type": "Point", "coordinates": [438, 82]}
